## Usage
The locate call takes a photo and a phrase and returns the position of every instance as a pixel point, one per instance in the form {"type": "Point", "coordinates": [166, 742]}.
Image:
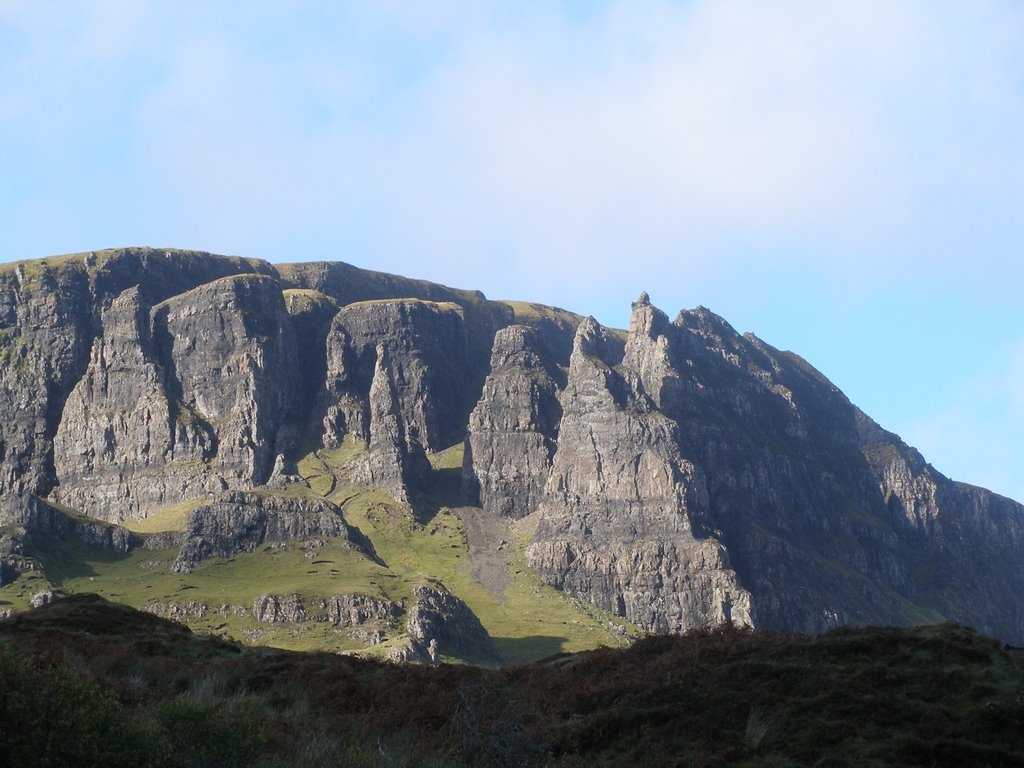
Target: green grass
{"type": "Point", "coordinates": [529, 621]}
{"type": "Point", "coordinates": [306, 297]}
{"type": "Point", "coordinates": [18, 594]}
{"type": "Point", "coordinates": [368, 283]}
{"type": "Point", "coordinates": [448, 459]}
{"type": "Point", "coordinates": [314, 470]}
{"type": "Point", "coordinates": [144, 576]}
{"type": "Point", "coordinates": [290, 491]}
{"type": "Point", "coordinates": [528, 313]}
{"type": "Point", "coordinates": [440, 306]}
{"type": "Point", "coordinates": [318, 467]}
{"type": "Point", "coordinates": [337, 458]}
{"type": "Point", "coordinates": [33, 269]}
{"type": "Point", "coordinates": [170, 518]}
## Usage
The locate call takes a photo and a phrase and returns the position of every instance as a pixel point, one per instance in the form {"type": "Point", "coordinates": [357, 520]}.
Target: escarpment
{"type": "Point", "coordinates": [675, 475]}
{"type": "Point", "coordinates": [178, 401]}
{"type": "Point", "coordinates": [240, 522]}
{"type": "Point", "coordinates": [512, 431]}
{"type": "Point", "coordinates": [615, 523]}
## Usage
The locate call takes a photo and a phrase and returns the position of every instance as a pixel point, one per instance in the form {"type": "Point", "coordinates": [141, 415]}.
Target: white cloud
{"type": "Point", "coordinates": [867, 155]}
{"type": "Point", "coordinates": [669, 132]}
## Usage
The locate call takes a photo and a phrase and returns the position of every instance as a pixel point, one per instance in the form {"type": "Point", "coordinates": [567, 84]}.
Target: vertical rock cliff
{"type": "Point", "coordinates": [50, 313]}
{"type": "Point", "coordinates": [679, 474]}
{"type": "Point", "coordinates": [122, 448]}
{"type": "Point", "coordinates": [513, 429]}
{"type": "Point", "coordinates": [616, 522]}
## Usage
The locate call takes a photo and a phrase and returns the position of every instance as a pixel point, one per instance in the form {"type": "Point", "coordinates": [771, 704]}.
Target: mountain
{"type": "Point", "coordinates": [319, 456]}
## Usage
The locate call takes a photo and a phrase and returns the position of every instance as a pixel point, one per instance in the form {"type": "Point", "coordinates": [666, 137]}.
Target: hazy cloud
{"type": "Point", "coordinates": [843, 178]}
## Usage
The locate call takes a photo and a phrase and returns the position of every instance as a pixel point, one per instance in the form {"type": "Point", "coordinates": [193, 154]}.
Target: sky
{"type": "Point", "coordinates": [843, 179]}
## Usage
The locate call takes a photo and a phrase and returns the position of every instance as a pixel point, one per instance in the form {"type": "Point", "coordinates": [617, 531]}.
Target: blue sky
{"type": "Point", "coordinates": [843, 179]}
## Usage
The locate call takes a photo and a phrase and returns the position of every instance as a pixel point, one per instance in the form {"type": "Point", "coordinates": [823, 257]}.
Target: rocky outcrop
{"type": "Point", "coordinates": [192, 610]}
{"type": "Point", "coordinates": [615, 527]}
{"type": "Point", "coordinates": [13, 560]}
{"type": "Point", "coordinates": [425, 345]}
{"type": "Point", "coordinates": [42, 598]}
{"type": "Point", "coordinates": [512, 431]}
{"type": "Point", "coordinates": [310, 314]}
{"type": "Point", "coordinates": [967, 539]}
{"type": "Point", "coordinates": [396, 378]}
{"type": "Point", "coordinates": [273, 609]}
{"type": "Point", "coordinates": [179, 406]}
{"type": "Point", "coordinates": [32, 514]}
{"type": "Point", "coordinates": [240, 522]}
{"type": "Point", "coordinates": [49, 316]}
{"type": "Point", "coordinates": [439, 624]}
{"type": "Point", "coordinates": [45, 333]}
{"type": "Point", "coordinates": [375, 616]}
{"type": "Point", "coordinates": [124, 447]}
{"type": "Point", "coordinates": [355, 610]}
{"type": "Point", "coordinates": [349, 285]}
{"type": "Point", "coordinates": [202, 392]}
{"type": "Point", "coordinates": [230, 355]}
{"type": "Point", "coordinates": [395, 460]}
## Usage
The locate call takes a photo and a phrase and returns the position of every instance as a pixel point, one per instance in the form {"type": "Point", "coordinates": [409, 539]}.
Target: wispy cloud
{"type": "Point", "coordinates": [820, 172]}
{"type": "Point", "coordinates": [669, 131]}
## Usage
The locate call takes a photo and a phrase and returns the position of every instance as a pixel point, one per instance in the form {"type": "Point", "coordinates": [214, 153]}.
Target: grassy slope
{"type": "Point", "coordinates": [170, 518]}
{"type": "Point", "coordinates": [529, 313]}
{"type": "Point", "coordinates": [529, 621]}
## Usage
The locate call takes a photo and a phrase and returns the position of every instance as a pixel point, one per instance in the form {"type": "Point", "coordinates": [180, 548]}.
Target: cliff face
{"type": "Point", "coordinates": [179, 401]}
{"type": "Point", "coordinates": [399, 378]}
{"type": "Point", "coordinates": [513, 429]}
{"type": "Point", "coordinates": [616, 522]}
{"type": "Point", "coordinates": [678, 474]}
{"type": "Point", "coordinates": [50, 315]}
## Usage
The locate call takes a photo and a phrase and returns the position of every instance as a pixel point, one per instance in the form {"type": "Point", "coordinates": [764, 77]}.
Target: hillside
{"type": "Point", "coordinates": [85, 682]}
{"type": "Point", "coordinates": [315, 456]}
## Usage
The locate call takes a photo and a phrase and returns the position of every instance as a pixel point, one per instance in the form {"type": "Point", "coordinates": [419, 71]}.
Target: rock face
{"type": "Point", "coordinates": [440, 624]}
{"type": "Point", "coordinates": [122, 448]}
{"type": "Point", "coordinates": [354, 610]}
{"type": "Point", "coordinates": [230, 351]}
{"type": "Point", "coordinates": [200, 379]}
{"type": "Point", "coordinates": [133, 379]}
{"type": "Point", "coordinates": [241, 522]}
{"type": "Point", "coordinates": [271, 609]}
{"type": "Point", "coordinates": [33, 515]}
{"type": "Point", "coordinates": [49, 316]}
{"type": "Point", "coordinates": [616, 524]}
{"type": "Point", "coordinates": [417, 357]}
{"type": "Point", "coordinates": [679, 475]}
{"type": "Point", "coordinates": [513, 429]}
{"type": "Point", "coordinates": [969, 539]}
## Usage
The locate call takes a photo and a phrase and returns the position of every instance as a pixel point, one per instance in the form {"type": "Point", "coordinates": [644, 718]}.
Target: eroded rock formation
{"type": "Point", "coordinates": [513, 429]}
{"type": "Point", "coordinates": [440, 624]}
{"type": "Point", "coordinates": [616, 521]}
{"type": "Point", "coordinates": [240, 522]}
{"type": "Point", "coordinates": [679, 475]}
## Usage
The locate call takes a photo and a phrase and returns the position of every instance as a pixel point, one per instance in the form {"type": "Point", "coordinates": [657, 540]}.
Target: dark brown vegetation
{"type": "Point", "coordinates": [86, 682]}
